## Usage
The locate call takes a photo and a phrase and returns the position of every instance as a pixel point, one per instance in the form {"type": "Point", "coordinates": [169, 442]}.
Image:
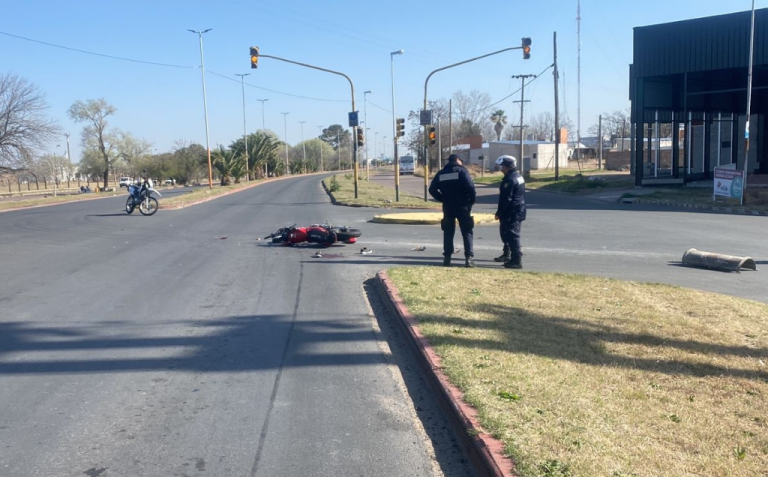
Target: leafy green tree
{"type": "Point", "coordinates": [188, 162]}
{"type": "Point", "coordinates": [335, 135]}
{"type": "Point", "coordinates": [94, 112]}
{"type": "Point", "coordinates": [263, 154]}
{"type": "Point", "coordinates": [229, 165]}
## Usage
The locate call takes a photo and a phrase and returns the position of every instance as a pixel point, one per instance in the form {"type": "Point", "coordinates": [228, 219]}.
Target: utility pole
{"type": "Point", "coordinates": [600, 144]}
{"type": "Point", "coordinates": [439, 147]}
{"type": "Point", "coordinates": [450, 129]}
{"type": "Point", "coordinates": [338, 147]}
{"type": "Point", "coordinates": [303, 145]}
{"type": "Point", "coordinates": [522, 120]}
{"type": "Point", "coordinates": [556, 74]}
{"type": "Point", "coordinates": [578, 85]}
{"type": "Point", "coordinates": [749, 102]}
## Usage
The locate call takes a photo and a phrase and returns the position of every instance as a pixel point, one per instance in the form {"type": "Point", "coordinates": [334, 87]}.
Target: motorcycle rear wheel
{"type": "Point", "coordinates": [148, 206]}
{"type": "Point", "coordinates": [344, 234]}
{"type": "Point", "coordinates": [129, 205]}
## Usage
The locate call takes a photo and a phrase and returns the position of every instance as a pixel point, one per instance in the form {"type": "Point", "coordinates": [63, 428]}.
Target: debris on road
{"type": "Point", "coordinates": [420, 248]}
{"type": "Point", "coordinates": [365, 251]}
{"type": "Point", "coordinates": [317, 255]}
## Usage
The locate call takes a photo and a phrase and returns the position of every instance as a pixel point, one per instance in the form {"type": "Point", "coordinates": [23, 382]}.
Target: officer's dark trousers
{"type": "Point", "coordinates": [510, 235]}
{"type": "Point", "coordinates": [466, 224]}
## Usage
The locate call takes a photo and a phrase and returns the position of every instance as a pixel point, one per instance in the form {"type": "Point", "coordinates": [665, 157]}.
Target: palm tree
{"type": "Point", "coordinates": [229, 164]}
{"type": "Point", "coordinates": [264, 153]}
{"type": "Point", "coordinates": [499, 120]}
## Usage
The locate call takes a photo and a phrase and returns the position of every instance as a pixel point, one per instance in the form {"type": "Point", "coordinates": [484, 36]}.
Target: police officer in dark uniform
{"type": "Point", "coordinates": [453, 187]}
{"type": "Point", "coordinates": [511, 212]}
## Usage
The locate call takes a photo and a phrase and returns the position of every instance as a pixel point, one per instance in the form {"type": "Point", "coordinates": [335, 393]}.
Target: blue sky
{"type": "Point", "coordinates": [163, 104]}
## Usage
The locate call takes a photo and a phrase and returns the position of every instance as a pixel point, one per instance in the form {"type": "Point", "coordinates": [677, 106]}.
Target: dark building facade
{"type": "Point", "coordinates": [688, 81]}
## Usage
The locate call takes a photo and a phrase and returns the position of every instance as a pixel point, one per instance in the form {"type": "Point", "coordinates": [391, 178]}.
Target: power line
{"type": "Point", "coordinates": [279, 92]}
{"type": "Point", "coordinates": [513, 93]}
{"type": "Point", "coordinates": [121, 58]}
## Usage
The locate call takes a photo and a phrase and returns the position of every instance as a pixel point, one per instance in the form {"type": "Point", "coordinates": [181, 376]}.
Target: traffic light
{"type": "Point", "coordinates": [432, 136]}
{"type": "Point", "coordinates": [400, 129]}
{"type": "Point", "coordinates": [526, 48]}
{"type": "Point", "coordinates": [360, 137]}
{"type": "Point", "coordinates": [254, 57]}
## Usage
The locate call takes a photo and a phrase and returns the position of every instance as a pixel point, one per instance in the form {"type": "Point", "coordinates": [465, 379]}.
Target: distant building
{"type": "Point", "coordinates": [692, 76]}
{"type": "Point", "coordinates": [539, 155]}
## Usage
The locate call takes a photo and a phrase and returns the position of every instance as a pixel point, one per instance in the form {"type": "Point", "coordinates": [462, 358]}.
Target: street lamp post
{"type": "Point", "coordinates": [394, 124]}
{"type": "Point", "coordinates": [245, 127]}
{"type": "Point", "coordinates": [365, 118]}
{"type": "Point", "coordinates": [320, 128]}
{"type": "Point", "coordinates": [285, 138]}
{"type": "Point", "coordinates": [338, 147]}
{"type": "Point", "coordinates": [263, 122]}
{"type": "Point", "coordinates": [205, 107]}
{"type": "Point", "coordinates": [376, 144]}
{"type": "Point", "coordinates": [384, 146]}
{"type": "Point", "coordinates": [303, 144]}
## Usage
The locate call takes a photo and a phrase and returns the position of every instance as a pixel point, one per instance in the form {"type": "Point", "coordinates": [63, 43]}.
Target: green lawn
{"type": "Point", "coordinates": [570, 181]}
{"type": "Point", "coordinates": [581, 376]}
{"type": "Point", "coordinates": [369, 194]}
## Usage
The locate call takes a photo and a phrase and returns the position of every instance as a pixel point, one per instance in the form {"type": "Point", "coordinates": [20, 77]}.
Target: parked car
{"type": "Point", "coordinates": [170, 181]}
{"type": "Point", "coordinates": [126, 181]}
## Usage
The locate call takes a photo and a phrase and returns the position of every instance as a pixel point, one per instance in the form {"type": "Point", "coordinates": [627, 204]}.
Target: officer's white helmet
{"type": "Point", "coordinates": [507, 160]}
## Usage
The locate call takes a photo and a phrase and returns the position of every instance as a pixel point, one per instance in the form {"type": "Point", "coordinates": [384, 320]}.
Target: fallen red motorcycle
{"type": "Point", "coordinates": [325, 235]}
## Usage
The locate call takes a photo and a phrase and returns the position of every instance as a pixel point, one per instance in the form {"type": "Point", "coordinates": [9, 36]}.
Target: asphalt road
{"type": "Point", "coordinates": [179, 344]}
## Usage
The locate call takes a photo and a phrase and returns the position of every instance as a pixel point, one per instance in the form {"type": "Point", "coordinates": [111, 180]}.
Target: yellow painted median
{"type": "Point", "coordinates": [424, 218]}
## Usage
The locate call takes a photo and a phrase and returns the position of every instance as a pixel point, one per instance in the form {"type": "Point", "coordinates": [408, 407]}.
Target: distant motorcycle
{"type": "Point", "coordinates": [325, 235]}
{"type": "Point", "coordinates": [141, 196]}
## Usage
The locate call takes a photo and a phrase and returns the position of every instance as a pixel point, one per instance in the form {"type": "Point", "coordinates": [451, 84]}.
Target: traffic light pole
{"type": "Point", "coordinates": [352, 87]}
{"type": "Point", "coordinates": [426, 84]}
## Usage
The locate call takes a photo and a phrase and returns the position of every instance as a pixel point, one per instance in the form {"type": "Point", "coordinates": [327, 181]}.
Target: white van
{"type": "Point", "coordinates": [406, 165]}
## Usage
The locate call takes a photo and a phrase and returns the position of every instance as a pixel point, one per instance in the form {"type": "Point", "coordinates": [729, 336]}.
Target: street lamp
{"type": "Point", "coordinates": [205, 106]}
{"type": "Point", "coordinates": [263, 123]}
{"type": "Point", "coordinates": [365, 114]}
{"type": "Point", "coordinates": [384, 146]}
{"type": "Point", "coordinates": [394, 124]}
{"type": "Point", "coordinates": [303, 144]}
{"type": "Point", "coordinates": [285, 138]}
{"type": "Point", "coordinates": [320, 128]}
{"type": "Point", "coordinates": [245, 128]}
{"type": "Point", "coordinates": [376, 144]}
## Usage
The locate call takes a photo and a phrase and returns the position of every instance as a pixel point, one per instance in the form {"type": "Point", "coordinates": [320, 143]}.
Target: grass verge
{"type": "Point", "coordinates": [571, 182]}
{"type": "Point", "coordinates": [757, 199]}
{"type": "Point", "coordinates": [582, 376]}
{"type": "Point", "coordinates": [342, 189]}
{"type": "Point", "coordinates": [25, 202]}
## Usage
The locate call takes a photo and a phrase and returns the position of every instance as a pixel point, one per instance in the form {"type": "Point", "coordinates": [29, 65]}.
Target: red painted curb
{"type": "Point", "coordinates": [488, 450]}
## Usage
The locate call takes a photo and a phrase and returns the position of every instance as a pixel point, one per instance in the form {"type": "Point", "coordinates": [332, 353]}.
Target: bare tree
{"type": "Point", "coordinates": [24, 128]}
{"type": "Point", "coordinates": [471, 110]}
{"type": "Point", "coordinates": [95, 113]}
{"type": "Point", "coordinates": [542, 126]}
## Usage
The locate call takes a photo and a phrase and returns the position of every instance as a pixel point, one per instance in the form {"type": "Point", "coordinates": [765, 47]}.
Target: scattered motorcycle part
{"type": "Point", "coordinates": [365, 251]}
{"type": "Point", "coordinates": [317, 255]}
{"type": "Point", "coordinates": [419, 249]}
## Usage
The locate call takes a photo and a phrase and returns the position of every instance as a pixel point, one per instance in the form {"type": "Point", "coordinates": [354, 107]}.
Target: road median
{"type": "Point", "coordinates": [341, 190]}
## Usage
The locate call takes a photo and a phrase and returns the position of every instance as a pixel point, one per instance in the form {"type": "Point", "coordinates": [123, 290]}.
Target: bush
{"type": "Point", "coordinates": [334, 185]}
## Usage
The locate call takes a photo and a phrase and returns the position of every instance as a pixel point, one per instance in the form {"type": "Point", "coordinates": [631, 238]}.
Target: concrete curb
{"type": "Point", "coordinates": [485, 451]}
{"type": "Point", "coordinates": [434, 218]}
{"type": "Point", "coordinates": [335, 201]}
{"type": "Point", "coordinates": [714, 208]}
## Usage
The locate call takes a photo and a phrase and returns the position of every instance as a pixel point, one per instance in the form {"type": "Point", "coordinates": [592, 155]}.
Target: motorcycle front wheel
{"type": "Point", "coordinates": [129, 205]}
{"type": "Point", "coordinates": [148, 206]}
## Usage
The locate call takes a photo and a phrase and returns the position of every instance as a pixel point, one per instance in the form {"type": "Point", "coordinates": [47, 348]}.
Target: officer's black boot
{"type": "Point", "coordinates": [515, 262]}
{"type": "Point", "coordinates": [469, 262]}
{"type": "Point", "coordinates": [447, 261]}
{"type": "Point", "coordinates": [504, 257]}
